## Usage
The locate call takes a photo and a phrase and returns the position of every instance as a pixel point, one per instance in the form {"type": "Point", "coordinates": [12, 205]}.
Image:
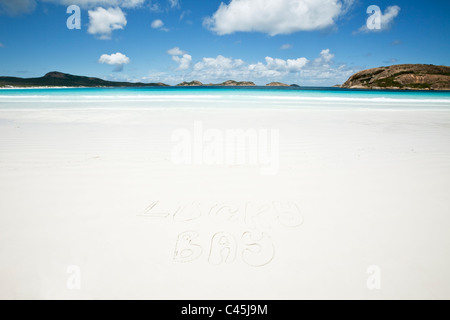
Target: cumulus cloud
{"type": "Point", "coordinates": [175, 51]}
{"type": "Point", "coordinates": [387, 19]}
{"type": "Point", "coordinates": [159, 25]}
{"type": "Point", "coordinates": [117, 59]}
{"type": "Point", "coordinates": [102, 22]}
{"type": "Point", "coordinates": [276, 68]}
{"type": "Point", "coordinates": [17, 7]}
{"type": "Point", "coordinates": [290, 65]}
{"type": "Point", "coordinates": [389, 15]}
{"type": "Point", "coordinates": [183, 59]}
{"type": "Point", "coordinates": [223, 67]}
{"type": "Point", "coordinates": [325, 57]}
{"type": "Point", "coordinates": [184, 62]}
{"type": "Point", "coordinates": [322, 70]}
{"type": "Point", "coordinates": [276, 16]}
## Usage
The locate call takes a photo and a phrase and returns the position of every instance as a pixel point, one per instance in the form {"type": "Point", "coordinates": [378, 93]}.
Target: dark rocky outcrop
{"type": "Point", "coordinates": [232, 83]}
{"type": "Point", "coordinates": [277, 84]}
{"type": "Point", "coordinates": [229, 83]}
{"type": "Point", "coordinates": [194, 83]}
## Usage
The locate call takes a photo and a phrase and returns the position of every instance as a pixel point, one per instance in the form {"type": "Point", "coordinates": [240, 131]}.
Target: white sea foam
{"type": "Point", "coordinates": [218, 97]}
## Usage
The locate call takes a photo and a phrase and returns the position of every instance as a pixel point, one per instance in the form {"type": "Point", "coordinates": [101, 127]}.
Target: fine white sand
{"type": "Point", "coordinates": [97, 189]}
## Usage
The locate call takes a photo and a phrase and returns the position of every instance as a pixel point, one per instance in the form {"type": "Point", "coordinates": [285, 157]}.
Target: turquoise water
{"type": "Point", "coordinates": [210, 97]}
{"type": "Point", "coordinates": [290, 91]}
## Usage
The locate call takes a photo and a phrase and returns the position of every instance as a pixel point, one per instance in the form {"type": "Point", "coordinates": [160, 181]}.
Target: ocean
{"type": "Point", "coordinates": [214, 97]}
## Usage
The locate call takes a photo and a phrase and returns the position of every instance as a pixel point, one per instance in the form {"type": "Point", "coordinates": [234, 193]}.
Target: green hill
{"type": "Point", "coordinates": [58, 79]}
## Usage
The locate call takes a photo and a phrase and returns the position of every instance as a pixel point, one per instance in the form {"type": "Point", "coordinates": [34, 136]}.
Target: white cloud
{"type": "Point", "coordinates": [389, 15]}
{"type": "Point", "coordinates": [157, 24]}
{"type": "Point", "coordinates": [325, 57]}
{"type": "Point", "coordinates": [319, 71]}
{"type": "Point", "coordinates": [325, 70]}
{"type": "Point", "coordinates": [183, 59]}
{"type": "Point", "coordinates": [17, 7]}
{"type": "Point", "coordinates": [2, 45]}
{"type": "Point", "coordinates": [387, 18]}
{"type": "Point", "coordinates": [184, 62]}
{"type": "Point", "coordinates": [290, 65]}
{"type": "Point", "coordinates": [117, 59]}
{"type": "Point", "coordinates": [175, 51]}
{"type": "Point", "coordinates": [102, 21]}
{"type": "Point", "coordinates": [276, 68]}
{"type": "Point", "coordinates": [276, 16]}
{"type": "Point", "coordinates": [222, 67]}
{"type": "Point", "coordinates": [286, 46]}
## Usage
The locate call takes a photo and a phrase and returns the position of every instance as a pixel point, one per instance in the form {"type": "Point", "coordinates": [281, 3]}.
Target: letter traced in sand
{"type": "Point", "coordinates": [223, 249]}
{"type": "Point", "coordinates": [225, 212]}
{"type": "Point", "coordinates": [288, 213]}
{"type": "Point", "coordinates": [188, 212]}
{"type": "Point", "coordinates": [259, 249]}
{"type": "Point", "coordinates": [155, 210]}
{"type": "Point", "coordinates": [186, 250]}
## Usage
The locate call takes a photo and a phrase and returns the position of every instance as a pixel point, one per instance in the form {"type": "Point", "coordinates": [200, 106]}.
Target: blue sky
{"type": "Point", "coordinates": [308, 42]}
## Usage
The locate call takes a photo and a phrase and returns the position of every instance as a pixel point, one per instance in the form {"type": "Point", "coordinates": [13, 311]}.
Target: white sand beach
{"type": "Point", "coordinates": [96, 188]}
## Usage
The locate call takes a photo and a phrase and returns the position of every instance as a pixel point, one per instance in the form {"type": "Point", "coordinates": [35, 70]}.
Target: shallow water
{"type": "Point", "coordinates": [216, 97]}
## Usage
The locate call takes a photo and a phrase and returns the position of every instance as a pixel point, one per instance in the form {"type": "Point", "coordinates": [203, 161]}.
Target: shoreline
{"type": "Point", "coordinates": [256, 87]}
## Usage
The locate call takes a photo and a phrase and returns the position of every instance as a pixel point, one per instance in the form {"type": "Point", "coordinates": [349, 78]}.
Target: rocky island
{"type": "Point", "coordinates": [229, 83]}
{"type": "Point", "coordinates": [232, 83]}
{"type": "Point", "coordinates": [194, 83]}
{"type": "Point", "coordinates": [403, 76]}
{"type": "Point", "coordinates": [277, 84]}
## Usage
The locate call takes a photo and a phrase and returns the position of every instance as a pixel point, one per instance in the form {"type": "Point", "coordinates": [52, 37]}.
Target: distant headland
{"type": "Point", "coordinates": [59, 79]}
{"type": "Point", "coordinates": [402, 76]}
